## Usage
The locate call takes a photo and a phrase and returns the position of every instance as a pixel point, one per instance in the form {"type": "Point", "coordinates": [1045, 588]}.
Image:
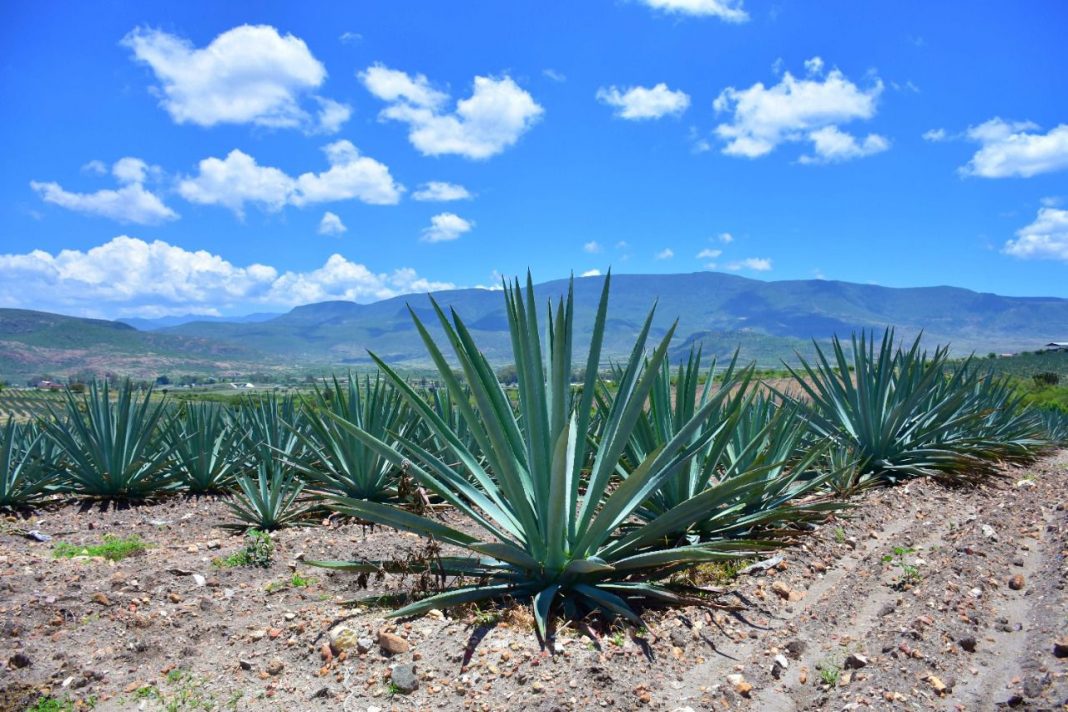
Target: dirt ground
{"type": "Point", "coordinates": [967, 616]}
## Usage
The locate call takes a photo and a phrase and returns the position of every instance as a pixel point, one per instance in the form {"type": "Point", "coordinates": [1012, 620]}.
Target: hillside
{"type": "Point", "coordinates": [768, 321]}
{"type": "Point", "coordinates": [37, 343]}
{"type": "Point", "coordinates": [772, 318]}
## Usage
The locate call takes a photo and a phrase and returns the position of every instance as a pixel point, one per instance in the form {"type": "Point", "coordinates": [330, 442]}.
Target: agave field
{"type": "Point", "coordinates": [589, 503]}
{"type": "Point", "coordinates": [25, 405]}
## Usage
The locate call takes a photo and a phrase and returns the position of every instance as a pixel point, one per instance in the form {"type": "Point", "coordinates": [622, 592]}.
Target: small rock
{"type": "Point", "coordinates": [1060, 648]}
{"type": "Point", "coordinates": [214, 544]}
{"type": "Point", "coordinates": [404, 678]}
{"type": "Point", "coordinates": [174, 597]}
{"type": "Point", "coordinates": [779, 666]}
{"type": "Point", "coordinates": [321, 693]}
{"type": "Point", "coordinates": [989, 533]}
{"type": "Point", "coordinates": [134, 686]}
{"type": "Point", "coordinates": [1035, 684]}
{"type": "Point", "coordinates": [1016, 583]}
{"type": "Point", "coordinates": [855, 661]}
{"type": "Point", "coordinates": [392, 644]}
{"type": "Point", "coordinates": [245, 664]}
{"type": "Point", "coordinates": [364, 645]}
{"type": "Point", "coordinates": [258, 634]}
{"type": "Point", "coordinates": [968, 643]}
{"type": "Point", "coordinates": [275, 667]}
{"type": "Point", "coordinates": [199, 580]}
{"type": "Point", "coordinates": [936, 684]}
{"type": "Point", "coordinates": [781, 590]}
{"type": "Point", "coordinates": [19, 660]}
{"type": "Point", "coordinates": [796, 648]}
{"type": "Point", "coordinates": [343, 638]}
{"type": "Point", "coordinates": [102, 599]}
{"type": "Point", "coordinates": [739, 684]}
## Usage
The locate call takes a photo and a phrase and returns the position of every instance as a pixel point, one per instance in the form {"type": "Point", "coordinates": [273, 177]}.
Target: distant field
{"type": "Point", "coordinates": [1026, 365]}
{"type": "Point", "coordinates": [23, 405]}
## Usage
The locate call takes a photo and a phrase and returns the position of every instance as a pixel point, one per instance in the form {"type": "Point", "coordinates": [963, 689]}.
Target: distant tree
{"type": "Point", "coordinates": [163, 380]}
{"type": "Point", "coordinates": [1048, 378]}
{"type": "Point", "coordinates": [508, 375]}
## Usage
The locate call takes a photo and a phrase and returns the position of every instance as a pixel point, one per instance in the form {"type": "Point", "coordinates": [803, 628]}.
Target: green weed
{"type": "Point", "coordinates": [113, 548]}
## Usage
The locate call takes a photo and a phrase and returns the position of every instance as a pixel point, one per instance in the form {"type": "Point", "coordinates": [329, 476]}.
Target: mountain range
{"type": "Point", "coordinates": [767, 321]}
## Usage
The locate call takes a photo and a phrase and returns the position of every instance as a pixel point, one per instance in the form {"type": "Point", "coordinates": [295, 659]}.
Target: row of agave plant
{"type": "Point", "coordinates": [585, 497]}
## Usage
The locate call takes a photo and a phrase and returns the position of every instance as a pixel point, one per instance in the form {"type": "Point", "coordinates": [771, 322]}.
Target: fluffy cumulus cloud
{"type": "Point", "coordinates": [709, 254]}
{"type": "Point", "coordinates": [592, 247]}
{"type": "Point", "coordinates": [637, 103]}
{"type": "Point", "coordinates": [446, 227]}
{"type": "Point", "coordinates": [238, 179]}
{"type": "Point", "coordinates": [591, 273]}
{"type": "Point", "coordinates": [441, 192]}
{"type": "Point", "coordinates": [1045, 238]}
{"type": "Point", "coordinates": [128, 276]}
{"type": "Point", "coordinates": [493, 118]}
{"type": "Point", "coordinates": [1019, 149]}
{"type": "Point", "coordinates": [249, 74]}
{"type": "Point", "coordinates": [756, 264]}
{"type": "Point", "coordinates": [331, 224]}
{"type": "Point", "coordinates": [665, 254]}
{"type": "Point", "coordinates": [130, 203]}
{"type": "Point", "coordinates": [809, 109]}
{"type": "Point", "coordinates": [729, 10]}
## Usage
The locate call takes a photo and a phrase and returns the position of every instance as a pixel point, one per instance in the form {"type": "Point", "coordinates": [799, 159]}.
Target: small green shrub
{"type": "Point", "coordinates": [113, 549]}
{"type": "Point", "coordinates": [259, 548]}
{"type": "Point", "coordinates": [910, 573]}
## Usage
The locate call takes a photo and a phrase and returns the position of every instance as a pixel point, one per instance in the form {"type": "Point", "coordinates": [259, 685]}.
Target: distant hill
{"type": "Point", "coordinates": [772, 319]}
{"type": "Point", "coordinates": [166, 321]}
{"type": "Point", "coordinates": [768, 321]}
{"type": "Point", "coordinates": [38, 343]}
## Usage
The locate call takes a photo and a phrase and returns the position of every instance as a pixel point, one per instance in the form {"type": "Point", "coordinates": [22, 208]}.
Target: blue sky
{"type": "Point", "coordinates": [230, 158]}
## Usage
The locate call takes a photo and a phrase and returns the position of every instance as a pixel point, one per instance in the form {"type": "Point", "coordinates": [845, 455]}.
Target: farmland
{"type": "Point", "coordinates": [678, 480]}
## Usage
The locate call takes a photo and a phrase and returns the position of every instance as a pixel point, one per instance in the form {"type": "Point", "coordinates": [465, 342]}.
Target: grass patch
{"type": "Point", "coordinates": [113, 548]}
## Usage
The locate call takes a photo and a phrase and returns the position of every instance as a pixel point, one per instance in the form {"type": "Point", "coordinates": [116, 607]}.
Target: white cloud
{"type": "Point", "coordinates": [728, 10]}
{"type": "Point", "coordinates": [1051, 201]}
{"type": "Point", "coordinates": [350, 37]}
{"type": "Point", "coordinates": [591, 273]}
{"type": "Point", "coordinates": [1012, 149]}
{"type": "Point", "coordinates": [709, 254]}
{"type": "Point", "coordinates": [554, 75]}
{"type": "Point", "coordinates": [665, 254]}
{"type": "Point", "coordinates": [814, 65]}
{"type": "Point", "coordinates": [332, 115]}
{"type": "Point", "coordinates": [935, 135]}
{"type": "Point", "coordinates": [95, 166]}
{"type": "Point", "coordinates": [239, 179]}
{"type": "Point", "coordinates": [128, 276]}
{"type": "Point", "coordinates": [445, 227]}
{"type": "Point", "coordinates": [441, 192]}
{"type": "Point", "coordinates": [799, 110]}
{"type": "Point", "coordinates": [831, 145]}
{"type": "Point", "coordinates": [592, 247]}
{"type": "Point", "coordinates": [331, 224]}
{"type": "Point", "coordinates": [493, 118]}
{"type": "Point", "coordinates": [249, 74]}
{"type": "Point", "coordinates": [131, 203]}
{"type": "Point", "coordinates": [1045, 239]}
{"type": "Point", "coordinates": [726, 238]}
{"type": "Point", "coordinates": [637, 103]}
{"type": "Point", "coordinates": [757, 264]}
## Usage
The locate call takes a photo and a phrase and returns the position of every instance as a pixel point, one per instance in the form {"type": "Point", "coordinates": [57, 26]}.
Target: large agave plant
{"type": "Point", "coordinates": [114, 448]}
{"type": "Point", "coordinates": [748, 439]}
{"type": "Point", "coordinates": [206, 447]}
{"type": "Point", "coordinates": [270, 425]}
{"type": "Point", "coordinates": [896, 411]}
{"type": "Point", "coordinates": [548, 531]}
{"type": "Point", "coordinates": [24, 473]}
{"type": "Point", "coordinates": [340, 463]}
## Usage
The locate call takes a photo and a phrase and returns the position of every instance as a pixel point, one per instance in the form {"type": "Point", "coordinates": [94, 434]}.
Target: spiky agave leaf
{"type": "Point", "coordinates": [548, 533]}
{"type": "Point", "coordinates": [114, 449]}
{"type": "Point", "coordinates": [335, 461]}
{"type": "Point", "coordinates": [206, 443]}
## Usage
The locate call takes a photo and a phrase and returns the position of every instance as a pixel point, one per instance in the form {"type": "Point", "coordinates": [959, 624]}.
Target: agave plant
{"type": "Point", "coordinates": [114, 449]}
{"type": "Point", "coordinates": [1004, 427]}
{"type": "Point", "coordinates": [205, 447]}
{"type": "Point", "coordinates": [24, 474]}
{"type": "Point", "coordinates": [335, 460]}
{"type": "Point", "coordinates": [748, 439]}
{"type": "Point", "coordinates": [1054, 425]}
{"type": "Point", "coordinates": [898, 411]}
{"type": "Point", "coordinates": [269, 499]}
{"type": "Point", "coordinates": [548, 532]}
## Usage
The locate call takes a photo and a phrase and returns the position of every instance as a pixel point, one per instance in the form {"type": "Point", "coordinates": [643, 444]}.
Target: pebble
{"type": "Point", "coordinates": [19, 660]}
{"type": "Point", "coordinates": [275, 667]}
{"type": "Point", "coordinates": [102, 599]}
{"type": "Point", "coordinates": [1016, 583]}
{"type": "Point", "coordinates": [343, 638]}
{"type": "Point", "coordinates": [855, 661]}
{"type": "Point", "coordinates": [968, 643]}
{"type": "Point", "coordinates": [392, 643]}
{"type": "Point", "coordinates": [1060, 648]}
{"type": "Point", "coordinates": [404, 678]}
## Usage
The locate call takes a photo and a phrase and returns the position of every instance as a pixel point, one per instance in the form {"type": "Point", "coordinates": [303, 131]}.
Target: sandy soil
{"type": "Point", "coordinates": [974, 628]}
